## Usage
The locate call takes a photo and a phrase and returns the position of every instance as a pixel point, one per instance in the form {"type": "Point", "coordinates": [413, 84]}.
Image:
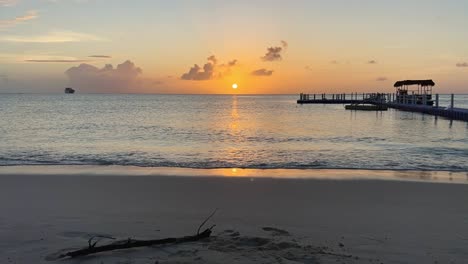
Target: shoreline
{"type": "Point", "coordinates": [454, 177]}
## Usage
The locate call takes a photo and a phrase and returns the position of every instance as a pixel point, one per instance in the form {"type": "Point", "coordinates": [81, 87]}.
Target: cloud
{"type": "Point", "coordinates": [334, 62]}
{"type": "Point", "coordinates": [196, 73]}
{"type": "Point", "coordinates": [100, 56]}
{"type": "Point", "coordinates": [381, 79]}
{"type": "Point", "coordinates": [284, 44]}
{"type": "Point", "coordinates": [88, 78]}
{"type": "Point", "coordinates": [232, 63]}
{"type": "Point", "coordinates": [462, 64]}
{"type": "Point", "coordinates": [262, 72]}
{"type": "Point", "coordinates": [211, 70]}
{"type": "Point", "coordinates": [39, 57]}
{"type": "Point", "coordinates": [212, 59]}
{"type": "Point", "coordinates": [51, 61]}
{"type": "Point", "coordinates": [273, 54]}
{"type": "Point", "coordinates": [8, 2]}
{"type": "Point", "coordinates": [54, 37]}
{"type": "Point", "coordinates": [372, 62]}
{"type": "Point", "coordinates": [30, 15]}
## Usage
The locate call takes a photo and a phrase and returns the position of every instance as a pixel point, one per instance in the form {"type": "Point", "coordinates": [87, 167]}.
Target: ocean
{"type": "Point", "coordinates": [224, 131]}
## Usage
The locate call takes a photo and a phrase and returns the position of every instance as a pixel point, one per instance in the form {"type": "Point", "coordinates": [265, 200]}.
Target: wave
{"type": "Point", "coordinates": [224, 165]}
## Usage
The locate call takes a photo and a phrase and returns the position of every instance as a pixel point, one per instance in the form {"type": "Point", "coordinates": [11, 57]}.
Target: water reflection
{"type": "Point", "coordinates": [317, 174]}
{"type": "Point", "coordinates": [234, 124]}
{"type": "Point", "coordinates": [232, 152]}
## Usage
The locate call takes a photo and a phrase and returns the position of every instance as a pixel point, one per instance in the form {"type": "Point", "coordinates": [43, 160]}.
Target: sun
{"type": "Point", "coordinates": [234, 86]}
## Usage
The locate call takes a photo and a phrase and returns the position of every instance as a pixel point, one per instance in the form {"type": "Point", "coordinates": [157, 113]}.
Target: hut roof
{"type": "Point", "coordinates": [415, 82]}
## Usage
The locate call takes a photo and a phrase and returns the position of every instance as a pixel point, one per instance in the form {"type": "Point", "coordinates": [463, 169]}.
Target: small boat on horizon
{"type": "Point", "coordinates": [69, 90]}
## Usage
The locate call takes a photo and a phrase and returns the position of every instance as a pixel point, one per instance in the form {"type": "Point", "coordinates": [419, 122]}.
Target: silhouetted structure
{"type": "Point", "coordinates": [417, 100]}
{"type": "Point", "coordinates": [422, 95]}
{"type": "Point", "coordinates": [414, 82]}
{"type": "Point", "coordinates": [69, 90]}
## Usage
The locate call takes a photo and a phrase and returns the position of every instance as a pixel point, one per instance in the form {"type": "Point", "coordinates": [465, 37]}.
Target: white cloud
{"type": "Point", "coordinates": [54, 37]}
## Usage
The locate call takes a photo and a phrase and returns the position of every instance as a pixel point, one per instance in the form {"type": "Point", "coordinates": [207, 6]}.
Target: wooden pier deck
{"type": "Point", "coordinates": [449, 112]}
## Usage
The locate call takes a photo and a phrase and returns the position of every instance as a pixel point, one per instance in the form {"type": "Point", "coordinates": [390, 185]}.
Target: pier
{"type": "Point", "coordinates": [406, 98]}
{"type": "Point", "coordinates": [410, 102]}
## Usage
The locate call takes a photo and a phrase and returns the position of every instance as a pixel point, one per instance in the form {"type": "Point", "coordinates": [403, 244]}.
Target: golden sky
{"type": "Point", "coordinates": [266, 47]}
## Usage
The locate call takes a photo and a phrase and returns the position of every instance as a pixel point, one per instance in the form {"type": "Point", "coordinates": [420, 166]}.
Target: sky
{"type": "Point", "coordinates": [204, 47]}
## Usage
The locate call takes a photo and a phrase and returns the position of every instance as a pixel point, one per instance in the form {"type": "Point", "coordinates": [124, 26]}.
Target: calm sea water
{"type": "Point", "coordinates": [223, 132]}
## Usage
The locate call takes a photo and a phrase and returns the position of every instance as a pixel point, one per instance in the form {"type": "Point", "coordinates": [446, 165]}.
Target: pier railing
{"type": "Point", "coordinates": [423, 103]}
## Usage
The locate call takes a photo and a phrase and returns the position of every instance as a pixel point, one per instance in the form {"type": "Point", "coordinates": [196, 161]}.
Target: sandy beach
{"type": "Point", "coordinates": [259, 220]}
{"type": "Point", "coordinates": [233, 132]}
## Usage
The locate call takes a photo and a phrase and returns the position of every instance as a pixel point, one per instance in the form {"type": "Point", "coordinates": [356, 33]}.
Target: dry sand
{"type": "Point", "coordinates": [352, 221]}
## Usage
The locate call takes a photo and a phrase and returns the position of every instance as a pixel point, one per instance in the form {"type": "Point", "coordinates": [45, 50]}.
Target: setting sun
{"type": "Point", "coordinates": [234, 86]}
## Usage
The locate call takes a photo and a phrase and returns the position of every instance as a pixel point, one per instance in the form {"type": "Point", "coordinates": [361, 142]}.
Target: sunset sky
{"type": "Point", "coordinates": [263, 46]}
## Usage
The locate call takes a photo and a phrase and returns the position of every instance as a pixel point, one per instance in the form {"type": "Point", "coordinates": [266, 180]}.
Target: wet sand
{"type": "Point", "coordinates": [260, 220]}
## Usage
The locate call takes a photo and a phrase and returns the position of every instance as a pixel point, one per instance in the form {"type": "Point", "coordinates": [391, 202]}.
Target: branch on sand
{"type": "Point", "coordinates": [132, 243]}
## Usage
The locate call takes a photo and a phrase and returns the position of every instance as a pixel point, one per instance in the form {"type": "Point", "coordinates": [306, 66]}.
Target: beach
{"type": "Point", "coordinates": [243, 132]}
{"type": "Point", "coordinates": [259, 219]}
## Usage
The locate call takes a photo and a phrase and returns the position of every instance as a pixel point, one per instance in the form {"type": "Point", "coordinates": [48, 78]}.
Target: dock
{"type": "Point", "coordinates": [391, 100]}
{"type": "Point", "coordinates": [410, 95]}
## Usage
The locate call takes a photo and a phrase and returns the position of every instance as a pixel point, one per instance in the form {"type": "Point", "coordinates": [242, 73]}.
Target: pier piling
{"type": "Point", "coordinates": [452, 101]}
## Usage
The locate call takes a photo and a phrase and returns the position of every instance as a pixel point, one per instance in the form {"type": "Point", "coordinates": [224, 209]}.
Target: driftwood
{"type": "Point", "coordinates": [132, 243]}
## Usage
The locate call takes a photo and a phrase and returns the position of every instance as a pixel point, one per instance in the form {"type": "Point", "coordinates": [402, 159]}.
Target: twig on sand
{"type": "Point", "coordinates": [99, 238]}
{"type": "Point", "coordinates": [206, 220]}
{"type": "Point", "coordinates": [132, 243]}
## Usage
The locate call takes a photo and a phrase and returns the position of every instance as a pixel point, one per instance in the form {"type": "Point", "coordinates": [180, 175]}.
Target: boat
{"type": "Point", "coordinates": [366, 107]}
{"type": "Point", "coordinates": [422, 95]}
{"type": "Point", "coordinates": [69, 90]}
